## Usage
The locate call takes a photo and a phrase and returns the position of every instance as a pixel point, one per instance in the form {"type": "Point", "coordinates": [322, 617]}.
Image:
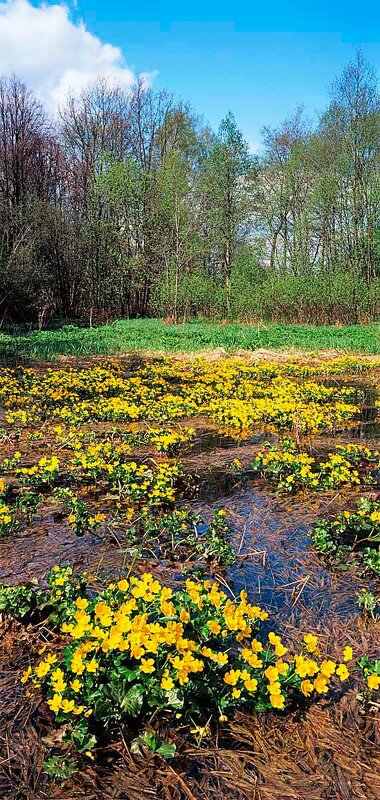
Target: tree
{"type": "Point", "coordinates": [352, 123]}
{"type": "Point", "coordinates": [284, 183]}
{"type": "Point", "coordinates": [226, 188]}
{"type": "Point", "coordinates": [122, 186]}
{"type": "Point", "coordinates": [179, 243]}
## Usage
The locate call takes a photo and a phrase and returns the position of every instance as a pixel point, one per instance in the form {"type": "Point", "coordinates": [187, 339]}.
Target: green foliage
{"type": "Point", "coordinates": [59, 767]}
{"type": "Point", "coordinates": [357, 532]}
{"type": "Point", "coordinates": [371, 558]}
{"type": "Point", "coordinates": [153, 744]}
{"type": "Point", "coordinates": [371, 674]}
{"type": "Point", "coordinates": [26, 602]}
{"type": "Point", "coordinates": [212, 545]}
{"type": "Point", "coordinates": [322, 539]}
{"type": "Point", "coordinates": [367, 602]}
{"type": "Point", "coordinates": [21, 601]}
{"type": "Point", "coordinates": [154, 335]}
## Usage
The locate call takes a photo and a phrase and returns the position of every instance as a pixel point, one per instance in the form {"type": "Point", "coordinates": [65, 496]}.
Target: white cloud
{"type": "Point", "coordinates": [53, 54]}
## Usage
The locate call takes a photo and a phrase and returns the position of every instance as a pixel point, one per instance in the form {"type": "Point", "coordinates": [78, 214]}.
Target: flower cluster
{"type": "Point", "coordinates": [234, 393]}
{"type": "Point", "coordinates": [170, 441]}
{"type": "Point", "coordinates": [293, 470]}
{"type": "Point", "coordinates": [139, 645]}
{"type": "Point", "coordinates": [45, 471]}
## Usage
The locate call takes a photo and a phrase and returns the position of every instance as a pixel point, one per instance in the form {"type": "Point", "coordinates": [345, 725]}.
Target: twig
{"type": "Point", "coordinates": [301, 589]}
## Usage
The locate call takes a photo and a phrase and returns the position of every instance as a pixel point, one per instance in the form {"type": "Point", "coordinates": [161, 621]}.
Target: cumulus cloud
{"type": "Point", "coordinates": [54, 54]}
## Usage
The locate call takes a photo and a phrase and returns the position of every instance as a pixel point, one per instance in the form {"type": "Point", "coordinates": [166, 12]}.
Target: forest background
{"type": "Point", "coordinates": [128, 205]}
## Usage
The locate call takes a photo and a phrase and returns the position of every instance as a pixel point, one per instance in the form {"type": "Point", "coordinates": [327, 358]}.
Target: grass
{"type": "Point", "coordinates": [154, 335]}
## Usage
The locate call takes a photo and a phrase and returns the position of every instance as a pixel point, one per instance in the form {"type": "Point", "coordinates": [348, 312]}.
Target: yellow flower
{"type": "Point", "coordinates": [347, 653]}
{"type": "Point", "coordinates": [327, 668]}
{"type": "Point", "coordinates": [271, 673]}
{"type": "Point", "coordinates": [221, 658]}
{"type": "Point", "coordinates": [81, 602]}
{"type": "Point", "coordinates": [320, 684]}
{"type": "Point", "coordinates": [373, 682]}
{"type": "Point", "coordinates": [76, 685]}
{"type": "Point", "coordinates": [123, 585]}
{"type": "Point", "coordinates": [167, 683]}
{"type": "Point", "coordinates": [280, 650]}
{"type": "Point", "coordinates": [214, 626]}
{"type": "Point", "coordinates": [311, 667]}
{"type": "Point", "coordinates": [236, 693]}
{"type": "Point", "coordinates": [55, 703]}
{"type": "Point", "coordinates": [274, 688]}
{"type": "Point", "coordinates": [306, 687]}
{"type": "Point", "coordinates": [250, 684]}
{"type": "Point", "coordinates": [67, 706]}
{"type": "Point", "coordinates": [147, 665]}
{"type": "Point", "coordinates": [342, 672]}
{"type": "Point", "coordinates": [59, 685]}
{"type": "Point", "coordinates": [42, 669]}
{"type": "Point", "coordinates": [282, 667]}
{"type": "Point", "coordinates": [77, 664]}
{"type": "Point", "coordinates": [92, 665]}
{"type": "Point", "coordinates": [277, 700]}
{"type": "Point", "coordinates": [26, 675]}
{"type": "Point", "coordinates": [311, 642]}
{"type": "Point", "coordinates": [232, 677]}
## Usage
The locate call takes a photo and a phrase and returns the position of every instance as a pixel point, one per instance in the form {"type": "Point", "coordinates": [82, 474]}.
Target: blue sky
{"type": "Point", "coordinates": [258, 60]}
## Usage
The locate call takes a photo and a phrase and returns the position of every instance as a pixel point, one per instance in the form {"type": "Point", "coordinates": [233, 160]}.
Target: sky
{"type": "Point", "coordinates": [259, 61]}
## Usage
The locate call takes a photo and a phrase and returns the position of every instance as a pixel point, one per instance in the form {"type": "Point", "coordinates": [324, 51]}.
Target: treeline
{"type": "Point", "coordinates": [129, 205]}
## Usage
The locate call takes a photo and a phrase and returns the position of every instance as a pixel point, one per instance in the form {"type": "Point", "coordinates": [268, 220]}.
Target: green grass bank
{"type": "Point", "coordinates": [154, 335]}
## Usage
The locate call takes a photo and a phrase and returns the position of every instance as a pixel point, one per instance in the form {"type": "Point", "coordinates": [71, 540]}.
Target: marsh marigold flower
{"type": "Point", "coordinates": [373, 682]}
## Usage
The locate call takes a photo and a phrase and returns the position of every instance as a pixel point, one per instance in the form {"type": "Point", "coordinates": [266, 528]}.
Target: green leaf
{"type": "Point", "coordinates": [149, 741]}
{"type": "Point", "coordinates": [132, 701]}
{"type": "Point", "coordinates": [60, 767]}
{"type": "Point", "coordinates": [174, 699]}
{"type": "Point", "coordinates": [167, 750]}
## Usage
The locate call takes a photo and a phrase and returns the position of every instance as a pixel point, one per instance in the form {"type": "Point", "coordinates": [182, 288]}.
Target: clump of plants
{"type": "Point", "coordinates": [211, 541]}
{"type": "Point", "coordinates": [368, 602]}
{"type": "Point", "coordinates": [138, 646]}
{"type": "Point", "coordinates": [80, 517]}
{"type": "Point", "coordinates": [170, 441]}
{"type": "Point", "coordinates": [184, 533]}
{"type": "Point", "coordinates": [356, 532]}
{"type": "Point", "coordinates": [292, 470]}
{"type": "Point", "coordinates": [371, 674]}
